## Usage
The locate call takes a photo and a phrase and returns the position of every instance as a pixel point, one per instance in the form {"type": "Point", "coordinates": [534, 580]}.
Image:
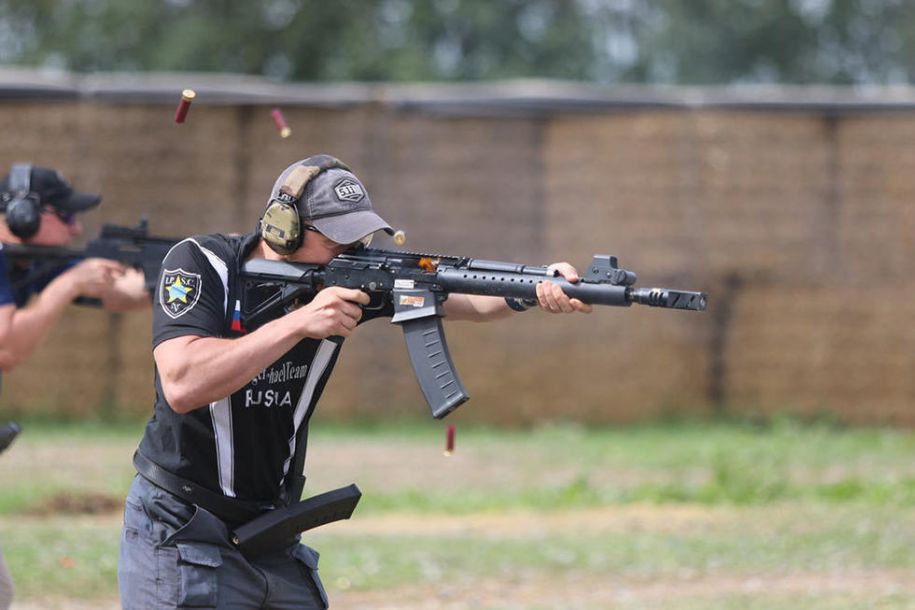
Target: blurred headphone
{"type": "Point", "coordinates": [23, 209]}
{"type": "Point", "coordinates": [280, 226]}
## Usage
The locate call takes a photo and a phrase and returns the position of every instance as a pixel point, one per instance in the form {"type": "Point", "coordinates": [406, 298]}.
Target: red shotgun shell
{"type": "Point", "coordinates": [187, 96]}
{"type": "Point", "coordinates": [449, 441]}
{"type": "Point", "coordinates": [280, 123]}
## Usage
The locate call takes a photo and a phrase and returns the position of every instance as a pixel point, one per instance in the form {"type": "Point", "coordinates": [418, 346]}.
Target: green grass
{"type": "Point", "coordinates": [725, 502]}
{"type": "Point", "coordinates": [547, 468]}
{"type": "Point", "coordinates": [68, 557]}
{"type": "Point", "coordinates": [694, 462]}
{"type": "Point", "coordinates": [800, 540]}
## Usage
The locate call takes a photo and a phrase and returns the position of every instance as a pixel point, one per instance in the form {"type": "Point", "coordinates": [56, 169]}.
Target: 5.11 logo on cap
{"type": "Point", "coordinates": [349, 190]}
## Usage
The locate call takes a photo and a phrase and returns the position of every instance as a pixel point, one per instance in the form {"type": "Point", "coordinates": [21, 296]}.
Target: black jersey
{"type": "Point", "coordinates": [241, 445]}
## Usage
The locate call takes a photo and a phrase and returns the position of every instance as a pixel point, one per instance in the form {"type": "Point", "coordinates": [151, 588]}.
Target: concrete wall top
{"type": "Point", "coordinates": [510, 97]}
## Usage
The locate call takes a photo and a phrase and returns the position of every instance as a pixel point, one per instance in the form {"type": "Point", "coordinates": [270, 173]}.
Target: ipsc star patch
{"type": "Point", "coordinates": [179, 292]}
{"type": "Point", "coordinates": [349, 190]}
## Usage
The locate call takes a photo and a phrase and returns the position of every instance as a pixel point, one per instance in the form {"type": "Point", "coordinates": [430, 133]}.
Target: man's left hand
{"type": "Point", "coordinates": [551, 297]}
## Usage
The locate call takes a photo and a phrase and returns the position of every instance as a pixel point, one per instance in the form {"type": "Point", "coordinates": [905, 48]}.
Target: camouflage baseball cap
{"type": "Point", "coordinates": [335, 201]}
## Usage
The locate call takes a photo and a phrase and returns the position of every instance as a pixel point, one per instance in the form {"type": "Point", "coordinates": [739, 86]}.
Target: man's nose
{"type": "Point", "coordinates": [76, 227]}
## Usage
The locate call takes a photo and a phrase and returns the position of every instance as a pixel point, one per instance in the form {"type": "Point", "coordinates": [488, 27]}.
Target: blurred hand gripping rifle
{"type": "Point", "coordinates": [411, 287]}
{"type": "Point", "coordinates": [130, 246]}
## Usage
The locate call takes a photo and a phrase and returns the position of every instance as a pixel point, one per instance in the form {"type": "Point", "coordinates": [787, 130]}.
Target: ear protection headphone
{"type": "Point", "coordinates": [280, 226]}
{"type": "Point", "coordinates": [23, 210]}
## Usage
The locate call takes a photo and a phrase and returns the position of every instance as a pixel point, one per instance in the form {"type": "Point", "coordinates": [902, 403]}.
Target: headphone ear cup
{"type": "Point", "coordinates": [23, 217]}
{"type": "Point", "coordinates": [281, 228]}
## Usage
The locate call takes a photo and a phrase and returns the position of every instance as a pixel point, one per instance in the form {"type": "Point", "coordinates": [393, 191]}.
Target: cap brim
{"type": "Point", "coordinates": [77, 202]}
{"type": "Point", "coordinates": [349, 228]}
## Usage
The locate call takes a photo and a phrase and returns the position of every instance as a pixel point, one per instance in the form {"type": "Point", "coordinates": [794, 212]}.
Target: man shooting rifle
{"type": "Point", "coordinates": [39, 207]}
{"type": "Point", "coordinates": [216, 506]}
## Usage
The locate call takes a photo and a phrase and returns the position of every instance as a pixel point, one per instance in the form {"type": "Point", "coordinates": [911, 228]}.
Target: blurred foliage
{"type": "Point", "coordinates": [605, 41]}
{"type": "Point", "coordinates": [303, 39]}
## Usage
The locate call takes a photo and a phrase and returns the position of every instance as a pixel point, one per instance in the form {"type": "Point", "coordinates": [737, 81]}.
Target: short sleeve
{"type": "Point", "coordinates": [191, 293]}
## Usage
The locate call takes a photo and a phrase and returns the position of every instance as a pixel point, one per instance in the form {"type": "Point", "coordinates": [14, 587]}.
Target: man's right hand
{"type": "Point", "coordinates": [94, 276]}
{"type": "Point", "coordinates": [335, 311]}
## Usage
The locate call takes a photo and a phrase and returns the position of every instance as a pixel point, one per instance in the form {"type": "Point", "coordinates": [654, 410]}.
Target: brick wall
{"type": "Point", "coordinates": [799, 223]}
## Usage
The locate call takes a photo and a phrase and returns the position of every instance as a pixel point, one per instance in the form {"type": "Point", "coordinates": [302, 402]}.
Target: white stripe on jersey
{"type": "Point", "coordinates": [319, 364]}
{"type": "Point", "coordinates": [219, 266]}
{"type": "Point", "coordinates": [220, 411]}
{"type": "Point", "coordinates": [221, 414]}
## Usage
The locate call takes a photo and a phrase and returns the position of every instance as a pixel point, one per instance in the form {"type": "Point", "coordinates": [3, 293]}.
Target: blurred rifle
{"type": "Point", "coordinates": [130, 246]}
{"type": "Point", "coordinates": [411, 287]}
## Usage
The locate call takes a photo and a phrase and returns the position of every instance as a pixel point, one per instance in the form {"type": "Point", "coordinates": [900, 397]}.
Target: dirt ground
{"type": "Point", "coordinates": [589, 593]}
{"type": "Point", "coordinates": [579, 591]}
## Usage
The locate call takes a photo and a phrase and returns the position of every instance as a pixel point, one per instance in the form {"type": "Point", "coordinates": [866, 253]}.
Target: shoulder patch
{"type": "Point", "coordinates": [179, 292]}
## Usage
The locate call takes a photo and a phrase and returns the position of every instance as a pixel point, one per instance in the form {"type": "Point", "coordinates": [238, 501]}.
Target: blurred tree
{"type": "Point", "coordinates": [303, 39]}
{"type": "Point", "coordinates": [786, 41]}
{"type": "Point", "coordinates": [607, 41]}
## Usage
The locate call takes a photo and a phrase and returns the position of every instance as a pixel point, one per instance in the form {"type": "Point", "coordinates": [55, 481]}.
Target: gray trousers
{"type": "Point", "coordinates": [6, 585]}
{"type": "Point", "coordinates": [177, 555]}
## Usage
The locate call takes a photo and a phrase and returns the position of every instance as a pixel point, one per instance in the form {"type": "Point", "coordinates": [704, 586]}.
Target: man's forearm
{"type": "Point", "coordinates": [30, 325]}
{"type": "Point", "coordinates": [6, 318]}
{"type": "Point", "coordinates": [196, 371]}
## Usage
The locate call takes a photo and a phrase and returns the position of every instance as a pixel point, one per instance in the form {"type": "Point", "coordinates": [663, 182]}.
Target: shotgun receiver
{"type": "Point", "coordinates": [411, 287]}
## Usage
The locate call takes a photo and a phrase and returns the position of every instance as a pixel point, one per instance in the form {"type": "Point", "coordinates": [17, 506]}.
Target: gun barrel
{"type": "Point", "coordinates": [672, 299]}
{"type": "Point", "coordinates": [524, 286]}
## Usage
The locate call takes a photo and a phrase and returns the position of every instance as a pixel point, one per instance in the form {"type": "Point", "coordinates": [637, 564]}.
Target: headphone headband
{"type": "Point", "coordinates": [281, 226]}
{"type": "Point", "coordinates": [20, 180]}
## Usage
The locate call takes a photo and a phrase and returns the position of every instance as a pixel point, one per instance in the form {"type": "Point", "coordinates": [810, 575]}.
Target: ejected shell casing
{"type": "Point", "coordinates": [187, 96]}
{"type": "Point", "coordinates": [280, 123]}
{"type": "Point", "coordinates": [449, 441]}
{"type": "Point", "coordinates": [400, 238]}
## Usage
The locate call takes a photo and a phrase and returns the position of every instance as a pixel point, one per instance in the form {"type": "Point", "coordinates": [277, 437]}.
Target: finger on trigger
{"type": "Point", "coordinates": [355, 295]}
{"type": "Point", "coordinates": [352, 311]}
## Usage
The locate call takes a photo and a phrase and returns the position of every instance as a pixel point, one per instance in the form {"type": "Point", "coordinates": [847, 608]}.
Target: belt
{"type": "Point", "coordinates": [264, 526]}
{"type": "Point", "coordinates": [230, 510]}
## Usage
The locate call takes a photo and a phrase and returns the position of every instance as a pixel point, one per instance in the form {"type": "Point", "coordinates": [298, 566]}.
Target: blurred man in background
{"type": "Point", "coordinates": [38, 207]}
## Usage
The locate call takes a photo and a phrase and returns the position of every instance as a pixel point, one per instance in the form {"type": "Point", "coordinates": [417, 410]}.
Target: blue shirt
{"type": "Point", "coordinates": [20, 295]}
{"type": "Point", "coordinates": [6, 289]}
{"type": "Point", "coordinates": [33, 278]}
